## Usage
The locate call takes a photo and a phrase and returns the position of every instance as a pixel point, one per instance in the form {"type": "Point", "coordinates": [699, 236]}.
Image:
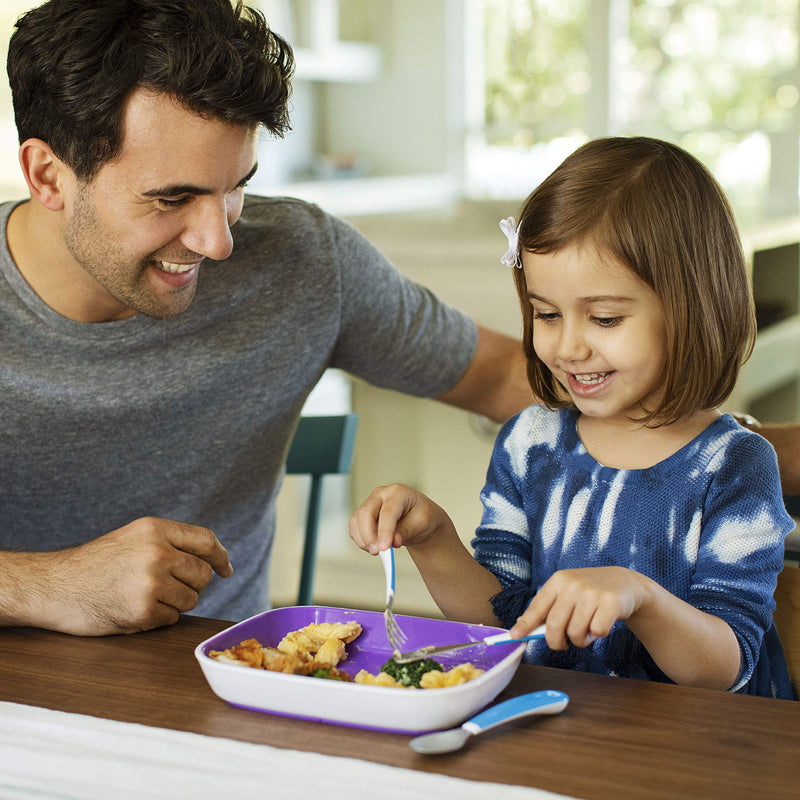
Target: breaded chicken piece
{"type": "Point", "coordinates": [249, 653]}
{"type": "Point", "coordinates": [276, 661]}
{"type": "Point", "coordinates": [299, 646]}
{"type": "Point", "coordinates": [321, 644]}
{"type": "Point", "coordinates": [331, 652]}
{"type": "Point", "coordinates": [308, 640]}
{"type": "Point", "coordinates": [346, 631]}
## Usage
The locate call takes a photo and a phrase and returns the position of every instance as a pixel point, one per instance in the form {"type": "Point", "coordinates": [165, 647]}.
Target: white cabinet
{"type": "Point", "coordinates": [375, 107]}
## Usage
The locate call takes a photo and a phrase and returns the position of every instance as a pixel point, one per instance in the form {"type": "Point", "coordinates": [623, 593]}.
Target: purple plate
{"type": "Point", "coordinates": [382, 708]}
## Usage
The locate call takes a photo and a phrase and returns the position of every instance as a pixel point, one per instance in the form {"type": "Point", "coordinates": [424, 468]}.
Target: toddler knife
{"type": "Point", "coordinates": [433, 650]}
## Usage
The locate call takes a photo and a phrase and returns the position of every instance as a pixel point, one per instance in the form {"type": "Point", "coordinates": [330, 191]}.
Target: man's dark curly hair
{"type": "Point", "coordinates": [72, 64]}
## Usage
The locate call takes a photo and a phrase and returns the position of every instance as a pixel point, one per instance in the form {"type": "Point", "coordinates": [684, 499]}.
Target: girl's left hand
{"type": "Point", "coordinates": [581, 605]}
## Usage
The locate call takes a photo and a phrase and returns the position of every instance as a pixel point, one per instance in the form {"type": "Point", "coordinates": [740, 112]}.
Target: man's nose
{"type": "Point", "coordinates": [208, 232]}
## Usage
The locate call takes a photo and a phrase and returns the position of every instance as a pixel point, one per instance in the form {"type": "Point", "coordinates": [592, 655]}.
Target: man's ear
{"type": "Point", "coordinates": [44, 173]}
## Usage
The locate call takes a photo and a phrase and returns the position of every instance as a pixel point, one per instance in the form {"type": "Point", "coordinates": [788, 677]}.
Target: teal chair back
{"type": "Point", "coordinates": [321, 446]}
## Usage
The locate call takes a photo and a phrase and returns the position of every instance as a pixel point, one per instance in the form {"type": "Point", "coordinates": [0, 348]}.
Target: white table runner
{"type": "Point", "coordinates": [52, 754]}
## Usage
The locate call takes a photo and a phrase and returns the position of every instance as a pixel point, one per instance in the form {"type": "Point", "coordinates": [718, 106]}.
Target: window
{"type": "Point", "coordinates": [719, 79]}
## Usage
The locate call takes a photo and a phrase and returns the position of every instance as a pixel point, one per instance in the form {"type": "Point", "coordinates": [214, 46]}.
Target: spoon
{"type": "Point", "coordinates": [544, 702]}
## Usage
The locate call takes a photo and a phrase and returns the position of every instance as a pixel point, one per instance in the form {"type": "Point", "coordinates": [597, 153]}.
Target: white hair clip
{"type": "Point", "coordinates": [511, 230]}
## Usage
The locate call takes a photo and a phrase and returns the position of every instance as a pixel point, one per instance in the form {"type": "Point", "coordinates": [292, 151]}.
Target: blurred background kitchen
{"type": "Point", "coordinates": [423, 122]}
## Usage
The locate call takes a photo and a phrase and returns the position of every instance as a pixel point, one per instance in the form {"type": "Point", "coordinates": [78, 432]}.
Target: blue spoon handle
{"type": "Point", "coordinates": [547, 701]}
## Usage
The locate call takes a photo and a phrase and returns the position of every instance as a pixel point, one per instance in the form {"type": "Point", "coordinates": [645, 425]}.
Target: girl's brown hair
{"type": "Point", "coordinates": [657, 210]}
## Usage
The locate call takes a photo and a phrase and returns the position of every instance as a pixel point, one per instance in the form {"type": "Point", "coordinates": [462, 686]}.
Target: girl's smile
{"type": "Point", "coordinates": [589, 383]}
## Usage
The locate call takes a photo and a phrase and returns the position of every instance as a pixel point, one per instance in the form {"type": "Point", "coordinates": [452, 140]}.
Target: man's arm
{"type": "Point", "coordinates": [496, 381]}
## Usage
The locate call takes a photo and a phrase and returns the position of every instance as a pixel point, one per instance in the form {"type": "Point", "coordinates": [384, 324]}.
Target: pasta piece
{"type": "Point", "coordinates": [433, 679]}
{"type": "Point", "coordinates": [381, 679]}
{"type": "Point", "coordinates": [461, 673]}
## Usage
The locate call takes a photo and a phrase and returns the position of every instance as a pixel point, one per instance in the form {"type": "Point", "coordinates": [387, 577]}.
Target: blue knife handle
{"type": "Point", "coordinates": [503, 638]}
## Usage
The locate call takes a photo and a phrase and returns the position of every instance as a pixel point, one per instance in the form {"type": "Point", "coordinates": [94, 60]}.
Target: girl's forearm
{"type": "Point", "coordinates": [691, 647]}
{"type": "Point", "coordinates": [459, 585]}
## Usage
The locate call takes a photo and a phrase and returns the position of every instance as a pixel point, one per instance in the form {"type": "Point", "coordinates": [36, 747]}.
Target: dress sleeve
{"type": "Point", "coordinates": [393, 332]}
{"type": "Point", "coordinates": [740, 550]}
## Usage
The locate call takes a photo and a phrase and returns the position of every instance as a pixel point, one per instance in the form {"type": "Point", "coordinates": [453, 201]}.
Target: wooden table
{"type": "Point", "coordinates": [617, 739]}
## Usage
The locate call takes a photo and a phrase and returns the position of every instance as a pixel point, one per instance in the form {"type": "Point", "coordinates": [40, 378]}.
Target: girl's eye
{"type": "Point", "coordinates": [546, 316]}
{"type": "Point", "coordinates": [607, 322]}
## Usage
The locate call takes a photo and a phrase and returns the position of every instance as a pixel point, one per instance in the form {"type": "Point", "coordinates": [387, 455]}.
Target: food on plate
{"type": "Point", "coordinates": [331, 651]}
{"type": "Point", "coordinates": [316, 647]}
{"type": "Point", "coordinates": [313, 637]}
{"type": "Point", "coordinates": [329, 673]}
{"type": "Point", "coordinates": [381, 679]}
{"type": "Point", "coordinates": [423, 674]}
{"type": "Point", "coordinates": [410, 674]}
{"type": "Point", "coordinates": [461, 673]}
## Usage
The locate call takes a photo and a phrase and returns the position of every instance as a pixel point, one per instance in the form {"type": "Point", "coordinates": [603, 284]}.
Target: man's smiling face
{"type": "Point", "coordinates": [139, 230]}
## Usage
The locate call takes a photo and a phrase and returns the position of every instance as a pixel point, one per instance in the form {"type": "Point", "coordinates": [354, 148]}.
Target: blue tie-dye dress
{"type": "Point", "coordinates": [707, 523]}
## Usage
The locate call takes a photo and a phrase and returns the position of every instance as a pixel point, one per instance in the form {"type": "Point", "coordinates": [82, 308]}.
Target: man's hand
{"type": "Point", "coordinates": [140, 576]}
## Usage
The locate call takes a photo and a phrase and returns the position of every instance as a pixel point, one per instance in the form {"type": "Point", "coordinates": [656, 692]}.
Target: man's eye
{"type": "Point", "coordinates": [171, 203]}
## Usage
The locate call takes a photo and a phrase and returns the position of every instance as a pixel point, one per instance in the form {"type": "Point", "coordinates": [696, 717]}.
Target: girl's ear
{"type": "Point", "coordinates": [44, 173]}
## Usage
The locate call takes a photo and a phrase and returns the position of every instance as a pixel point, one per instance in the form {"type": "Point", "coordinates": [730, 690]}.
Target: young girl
{"type": "Point", "coordinates": [641, 525]}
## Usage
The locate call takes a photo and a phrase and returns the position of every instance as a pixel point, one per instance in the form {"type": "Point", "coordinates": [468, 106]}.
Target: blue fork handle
{"type": "Point", "coordinates": [387, 557]}
{"type": "Point", "coordinates": [547, 701]}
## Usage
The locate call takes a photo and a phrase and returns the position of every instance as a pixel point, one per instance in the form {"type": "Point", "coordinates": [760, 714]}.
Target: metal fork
{"type": "Point", "coordinates": [394, 633]}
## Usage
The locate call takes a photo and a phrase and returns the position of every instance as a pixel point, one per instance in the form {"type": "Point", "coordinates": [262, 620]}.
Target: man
{"type": "Point", "coordinates": [159, 332]}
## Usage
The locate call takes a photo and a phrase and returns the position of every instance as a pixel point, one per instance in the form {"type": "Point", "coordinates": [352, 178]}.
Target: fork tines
{"type": "Point", "coordinates": [394, 633]}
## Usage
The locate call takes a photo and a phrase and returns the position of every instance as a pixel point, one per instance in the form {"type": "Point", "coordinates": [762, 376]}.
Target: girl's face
{"type": "Point", "coordinates": [599, 329]}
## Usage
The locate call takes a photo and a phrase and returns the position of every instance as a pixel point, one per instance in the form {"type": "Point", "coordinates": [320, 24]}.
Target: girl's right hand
{"type": "Point", "coordinates": [394, 516]}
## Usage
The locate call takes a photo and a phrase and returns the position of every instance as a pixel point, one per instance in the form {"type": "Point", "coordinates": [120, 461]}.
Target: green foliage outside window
{"type": "Point", "coordinates": [719, 78]}
{"type": "Point", "coordinates": [537, 69]}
